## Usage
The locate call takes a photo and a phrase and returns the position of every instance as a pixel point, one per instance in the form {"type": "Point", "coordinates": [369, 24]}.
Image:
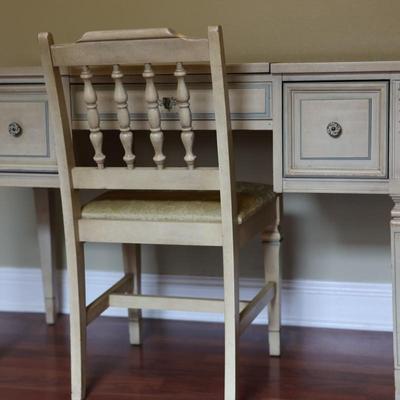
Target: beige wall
{"type": "Point", "coordinates": [255, 30]}
{"type": "Point", "coordinates": [327, 237]}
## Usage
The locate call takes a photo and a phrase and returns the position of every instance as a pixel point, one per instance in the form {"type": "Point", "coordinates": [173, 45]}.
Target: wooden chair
{"type": "Point", "coordinates": [158, 205]}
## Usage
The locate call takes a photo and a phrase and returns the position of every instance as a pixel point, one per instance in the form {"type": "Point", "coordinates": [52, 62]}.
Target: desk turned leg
{"type": "Point", "coordinates": [46, 252]}
{"type": "Point", "coordinates": [395, 246]}
{"type": "Point", "coordinates": [271, 239]}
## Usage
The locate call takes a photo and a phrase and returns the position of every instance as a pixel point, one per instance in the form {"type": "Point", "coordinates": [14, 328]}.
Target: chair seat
{"type": "Point", "coordinates": [176, 206]}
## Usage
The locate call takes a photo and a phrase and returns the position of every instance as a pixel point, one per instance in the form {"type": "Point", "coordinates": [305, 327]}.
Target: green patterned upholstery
{"type": "Point", "coordinates": [178, 206]}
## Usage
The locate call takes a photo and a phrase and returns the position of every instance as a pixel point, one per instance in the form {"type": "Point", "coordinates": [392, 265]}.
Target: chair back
{"type": "Point", "coordinates": [147, 47]}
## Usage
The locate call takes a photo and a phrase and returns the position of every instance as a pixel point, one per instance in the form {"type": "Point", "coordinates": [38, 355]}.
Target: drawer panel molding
{"type": "Point", "coordinates": [249, 101]}
{"type": "Point", "coordinates": [336, 129]}
{"type": "Point", "coordinates": [27, 143]}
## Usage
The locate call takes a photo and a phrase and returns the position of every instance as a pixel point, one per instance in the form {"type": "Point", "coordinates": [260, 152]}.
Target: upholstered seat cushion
{"type": "Point", "coordinates": [182, 206]}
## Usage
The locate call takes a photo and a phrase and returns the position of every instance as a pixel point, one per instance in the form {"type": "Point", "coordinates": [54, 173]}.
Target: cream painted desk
{"type": "Point", "coordinates": [27, 154]}
{"type": "Point", "coordinates": [336, 127]}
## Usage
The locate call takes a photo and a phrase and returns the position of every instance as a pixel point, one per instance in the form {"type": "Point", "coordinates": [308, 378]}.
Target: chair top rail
{"type": "Point", "coordinates": [129, 34]}
{"type": "Point", "coordinates": [130, 51]}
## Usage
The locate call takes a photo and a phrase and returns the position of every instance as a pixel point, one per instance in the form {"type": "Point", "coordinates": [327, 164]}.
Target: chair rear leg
{"type": "Point", "coordinates": [231, 314]}
{"type": "Point", "coordinates": [271, 243]}
{"type": "Point", "coordinates": [132, 265]}
{"type": "Point", "coordinates": [77, 305]}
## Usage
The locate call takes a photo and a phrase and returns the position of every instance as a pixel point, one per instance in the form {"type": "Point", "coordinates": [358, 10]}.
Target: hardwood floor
{"type": "Point", "coordinates": [184, 361]}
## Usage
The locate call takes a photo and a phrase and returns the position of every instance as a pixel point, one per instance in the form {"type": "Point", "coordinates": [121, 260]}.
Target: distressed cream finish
{"type": "Point", "coordinates": [226, 233]}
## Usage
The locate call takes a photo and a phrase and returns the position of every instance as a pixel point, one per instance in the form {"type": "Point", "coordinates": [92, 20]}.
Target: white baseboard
{"type": "Point", "coordinates": [305, 303]}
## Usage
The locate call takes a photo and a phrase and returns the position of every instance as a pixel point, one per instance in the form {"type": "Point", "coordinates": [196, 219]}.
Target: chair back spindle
{"type": "Point", "coordinates": [185, 115]}
{"type": "Point", "coordinates": [154, 116]}
{"type": "Point", "coordinates": [121, 100]}
{"type": "Point", "coordinates": [90, 98]}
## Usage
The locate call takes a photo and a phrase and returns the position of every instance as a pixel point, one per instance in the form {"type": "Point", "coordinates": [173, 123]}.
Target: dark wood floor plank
{"type": "Point", "coordinates": [184, 361]}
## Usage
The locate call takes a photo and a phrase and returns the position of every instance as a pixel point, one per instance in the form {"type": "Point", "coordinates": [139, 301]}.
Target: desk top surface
{"type": "Point", "coordinates": [335, 67]}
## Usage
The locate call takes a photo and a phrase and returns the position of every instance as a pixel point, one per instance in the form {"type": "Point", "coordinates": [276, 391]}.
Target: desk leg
{"type": "Point", "coordinates": [395, 246]}
{"type": "Point", "coordinates": [42, 204]}
{"type": "Point", "coordinates": [272, 238]}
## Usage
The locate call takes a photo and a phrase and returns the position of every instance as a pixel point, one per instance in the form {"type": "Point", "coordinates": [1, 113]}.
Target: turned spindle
{"type": "Point", "coordinates": [121, 100]}
{"type": "Point", "coordinates": [185, 115]}
{"type": "Point", "coordinates": [90, 98]}
{"type": "Point", "coordinates": [154, 116]}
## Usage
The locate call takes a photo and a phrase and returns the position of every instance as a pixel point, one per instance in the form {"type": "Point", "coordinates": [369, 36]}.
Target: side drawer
{"type": "Point", "coordinates": [25, 130]}
{"type": "Point", "coordinates": [336, 129]}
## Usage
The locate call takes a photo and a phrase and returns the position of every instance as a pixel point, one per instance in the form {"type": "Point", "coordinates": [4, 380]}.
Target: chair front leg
{"type": "Point", "coordinates": [132, 265]}
{"type": "Point", "coordinates": [231, 314]}
{"type": "Point", "coordinates": [271, 243]}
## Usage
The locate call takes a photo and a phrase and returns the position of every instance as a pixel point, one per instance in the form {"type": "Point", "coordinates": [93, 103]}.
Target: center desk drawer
{"type": "Point", "coordinates": [250, 105]}
{"type": "Point", "coordinates": [336, 129]}
{"type": "Point", "coordinates": [26, 141]}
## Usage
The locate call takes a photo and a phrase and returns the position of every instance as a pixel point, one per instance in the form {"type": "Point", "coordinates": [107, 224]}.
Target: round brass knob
{"type": "Point", "coordinates": [14, 129]}
{"type": "Point", "coordinates": [334, 129]}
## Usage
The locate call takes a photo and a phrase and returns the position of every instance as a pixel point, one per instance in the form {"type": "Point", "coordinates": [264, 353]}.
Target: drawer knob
{"type": "Point", "coordinates": [334, 129]}
{"type": "Point", "coordinates": [14, 129]}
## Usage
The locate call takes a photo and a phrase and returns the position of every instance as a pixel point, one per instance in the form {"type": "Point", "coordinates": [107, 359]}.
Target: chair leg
{"type": "Point", "coordinates": [231, 314]}
{"type": "Point", "coordinates": [77, 305]}
{"type": "Point", "coordinates": [271, 243]}
{"type": "Point", "coordinates": [132, 265]}
{"type": "Point", "coordinates": [42, 205]}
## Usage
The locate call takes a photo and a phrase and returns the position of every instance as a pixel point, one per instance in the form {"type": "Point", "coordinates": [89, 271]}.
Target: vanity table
{"type": "Point", "coordinates": [336, 129]}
